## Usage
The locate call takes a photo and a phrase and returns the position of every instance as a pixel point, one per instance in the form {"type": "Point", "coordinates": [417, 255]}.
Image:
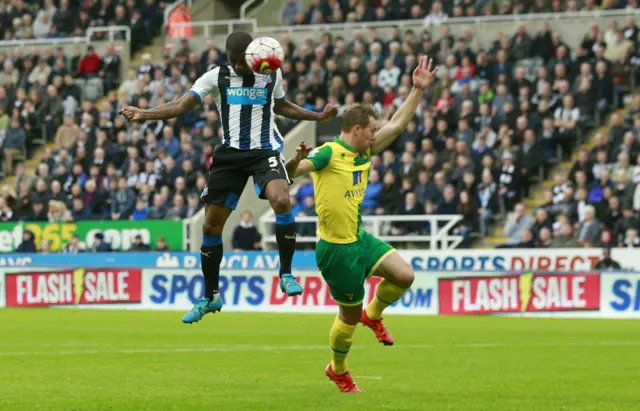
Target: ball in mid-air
{"type": "Point", "coordinates": [264, 55]}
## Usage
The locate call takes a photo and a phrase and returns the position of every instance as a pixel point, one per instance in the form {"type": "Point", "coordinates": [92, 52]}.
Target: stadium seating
{"type": "Point", "coordinates": [494, 136]}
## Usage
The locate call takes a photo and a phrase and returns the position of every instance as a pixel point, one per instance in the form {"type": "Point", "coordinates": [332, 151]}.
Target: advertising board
{"type": "Point", "coordinates": [73, 287]}
{"type": "Point", "coordinates": [620, 295]}
{"type": "Point", "coordinates": [120, 234]}
{"type": "Point", "coordinates": [260, 291]}
{"type": "Point", "coordinates": [525, 293]}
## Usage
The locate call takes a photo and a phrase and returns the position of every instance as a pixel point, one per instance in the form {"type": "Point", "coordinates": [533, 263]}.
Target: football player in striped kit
{"type": "Point", "coordinates": [247, 103]}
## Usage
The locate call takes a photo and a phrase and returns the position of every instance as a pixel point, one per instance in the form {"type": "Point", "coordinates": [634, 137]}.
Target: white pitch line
{"type": "Point", "coordinates": [257, 348]}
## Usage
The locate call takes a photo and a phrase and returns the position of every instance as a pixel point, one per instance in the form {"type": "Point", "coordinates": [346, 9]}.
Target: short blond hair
{"type": "Point", "coordinates": [357, 115]}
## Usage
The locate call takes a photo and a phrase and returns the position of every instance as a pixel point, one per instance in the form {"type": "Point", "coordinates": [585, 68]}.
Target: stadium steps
{"type": "Point", "coordinates": [536, 193]}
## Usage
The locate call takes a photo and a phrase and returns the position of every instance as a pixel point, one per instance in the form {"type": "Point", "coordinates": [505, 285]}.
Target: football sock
{"type": "Point", "coordinates": [210, 257]}
{"type": "Point", "coordinates": [340, 338]}
{"type": "Point", "coordinates": [286, 238]}
{"type": "Point", "coordinates": [386, 294]}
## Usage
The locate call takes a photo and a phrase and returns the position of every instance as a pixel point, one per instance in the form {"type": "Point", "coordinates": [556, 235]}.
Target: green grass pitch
{"type": "Point", "coordinates": [85, 360]}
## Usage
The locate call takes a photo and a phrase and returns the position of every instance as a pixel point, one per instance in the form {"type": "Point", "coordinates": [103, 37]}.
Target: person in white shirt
{"type": "Point", "coordinates": [389, 75]}
{"type": "Point", "coordinates": [566, 123]}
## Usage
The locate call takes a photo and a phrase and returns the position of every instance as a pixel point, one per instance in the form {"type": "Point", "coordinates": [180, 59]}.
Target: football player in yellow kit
{"type": "Point", "coordinates": [346, 254]}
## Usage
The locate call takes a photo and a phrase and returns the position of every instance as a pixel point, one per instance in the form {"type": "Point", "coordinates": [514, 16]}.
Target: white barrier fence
{"type": "Point", "coordinates": [439, 227]}
{"type": "Point", "coordinates": [579, 294]}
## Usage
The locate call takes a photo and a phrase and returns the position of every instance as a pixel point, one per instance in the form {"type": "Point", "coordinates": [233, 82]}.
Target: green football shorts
{"type": "Point", "coordinates": [345, 267]}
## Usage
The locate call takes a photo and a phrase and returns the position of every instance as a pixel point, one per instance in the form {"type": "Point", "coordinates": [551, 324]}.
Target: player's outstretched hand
{"type": "Point", "coordinates": [131, 113]}
{"type": "Point", "coordinates": [423, 75]}
{"type": "Point", "coordinates": [329, 112]}
{"type": "Point", "coordinates": [302, 151]}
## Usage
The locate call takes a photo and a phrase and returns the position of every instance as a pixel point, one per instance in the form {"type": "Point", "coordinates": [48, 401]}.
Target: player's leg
{"type": "Point", "coordinates": [271, 177]}
{"type": "Point", "coordinates": [341, 339]}
{"type": "Point", "coordinates": [341, 268]}
{"type": "Point", "coordinates": [221, 195]}
{"type": "Point", "coordinates": [210, 257]}
{"type": "Point", "coordinates": [384, 261]}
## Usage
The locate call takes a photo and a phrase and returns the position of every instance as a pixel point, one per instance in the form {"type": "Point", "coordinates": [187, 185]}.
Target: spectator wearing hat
{"type": "Point", "coordinates": [139, 245]}
{"type": "Point", "coordinates": [100, 245]}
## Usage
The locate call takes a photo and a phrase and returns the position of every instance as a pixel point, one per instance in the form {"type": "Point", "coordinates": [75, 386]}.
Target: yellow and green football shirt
{"type": "Point", "coordinates": [340, 180]}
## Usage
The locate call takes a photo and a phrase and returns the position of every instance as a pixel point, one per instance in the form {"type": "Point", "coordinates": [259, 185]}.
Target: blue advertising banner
{"type": "Point", "coordinates": [251, 260]}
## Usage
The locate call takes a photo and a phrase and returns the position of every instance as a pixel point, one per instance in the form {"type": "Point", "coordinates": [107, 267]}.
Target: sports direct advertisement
{"type": "Point", "coordinates": [260, 291]}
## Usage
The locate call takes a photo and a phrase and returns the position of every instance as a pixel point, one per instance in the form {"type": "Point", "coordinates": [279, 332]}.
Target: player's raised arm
{"type": "Point", "coordinates": [165, 111]}
{"type": "Point", "coordinates": [423, 76]}
{"type": "Point", "coordinates": [285, 108]}
{"type": "Point", "coordinates": [207, 83]}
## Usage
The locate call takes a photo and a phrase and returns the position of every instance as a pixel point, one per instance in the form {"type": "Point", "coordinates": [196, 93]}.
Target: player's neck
{"type": "Point", "coordinates": [349, 140]}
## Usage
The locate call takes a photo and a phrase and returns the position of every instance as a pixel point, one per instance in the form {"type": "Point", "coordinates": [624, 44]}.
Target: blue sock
{"type": "Point", "coordinates": [285, 219]}
{"type": "Point", "coordinates": [286, 237]}
{"type": "Point", "coordinates": [211, 240]}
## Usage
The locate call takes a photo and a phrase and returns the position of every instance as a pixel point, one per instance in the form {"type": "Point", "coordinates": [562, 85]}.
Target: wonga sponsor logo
{"type": "Point", "coordinates": [75, 287]}
{"type": "Point", "coordinates": [528, 292]}
{"type": "Point", "coordinates": [257, 291]}
{"type": "Point", "coordinates": [621, 295]}
{"type": "Point", "coordinates": [247, 96]}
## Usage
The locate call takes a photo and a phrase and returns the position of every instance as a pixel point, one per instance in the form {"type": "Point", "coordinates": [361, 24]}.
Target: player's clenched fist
{"type": "Point", "coordinates": [329, 112]}
{"type": "Point", "coordinates": [131, 113]}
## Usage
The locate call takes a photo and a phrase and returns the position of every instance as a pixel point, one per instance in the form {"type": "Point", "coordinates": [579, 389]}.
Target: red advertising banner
{"type": "Point", "coordinates": [73, 287]}
{"type": "Point", "coordinates": [527, 292]}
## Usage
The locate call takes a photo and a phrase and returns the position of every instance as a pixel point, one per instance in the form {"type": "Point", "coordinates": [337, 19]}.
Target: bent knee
{"type": "Point", "coordinates": [281, 202]}
{"type": "Point", "coordinates": [404, 277]}
{"type": "Point", "coordinates": [212, 228]}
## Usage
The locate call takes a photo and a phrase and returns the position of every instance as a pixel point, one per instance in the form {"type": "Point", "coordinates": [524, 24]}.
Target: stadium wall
{"type": "Point", "coordinates": [511, 282]}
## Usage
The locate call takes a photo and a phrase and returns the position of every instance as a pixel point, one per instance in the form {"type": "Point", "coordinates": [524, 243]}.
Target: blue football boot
{"type": "Point", "coordinates": [289, 285]}
{"type": "Point", "coordinates": [202, 307]}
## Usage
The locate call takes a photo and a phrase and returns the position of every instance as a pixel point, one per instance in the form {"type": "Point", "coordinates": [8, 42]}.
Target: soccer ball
{"type": "Point", "coordinates": [264, 55]}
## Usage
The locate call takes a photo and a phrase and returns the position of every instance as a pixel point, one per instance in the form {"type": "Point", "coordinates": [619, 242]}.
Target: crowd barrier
{"type": "Point", "coordinates": [466, 282]}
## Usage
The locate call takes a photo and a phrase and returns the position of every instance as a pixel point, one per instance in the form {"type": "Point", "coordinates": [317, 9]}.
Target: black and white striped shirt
{"type": "Point", "coordinates": [245, 104]}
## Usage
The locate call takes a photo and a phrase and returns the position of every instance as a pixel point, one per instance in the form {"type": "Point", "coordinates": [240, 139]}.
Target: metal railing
{"type": "Point", "coordinates": [451, 20]}
{"type": "Point", "coordinates": [171, 7]}
{"type": "Point", "coordinates": [249, 3]}
{"type": "Point", "coordinates": [415, 23]}
{"type": "Point", "coordinates": [209, 25]}
{"type": "Point", "coordinates": [87, 38]}
{"type": "Point", "coordinates": [439, 229]}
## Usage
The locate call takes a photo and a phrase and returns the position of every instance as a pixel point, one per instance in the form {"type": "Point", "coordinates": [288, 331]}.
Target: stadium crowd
{"type": "Point", "coordinates": [486, 131]}
{"type": "Point", "coordinates": [484, 134]}
{"type": "Point", "coordinates": [52, 19]}
{"type": "Point", "coordinates": [431, 11]}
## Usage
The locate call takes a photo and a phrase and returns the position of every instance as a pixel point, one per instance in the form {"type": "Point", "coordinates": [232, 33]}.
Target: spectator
{"type": "Point", "coordinates": [74, 246]}
{"type": "Point", "coordinates": [193, 205]}
{"type": "Point", "coordinates": [517, 223]}
{"type": "Point", "coordinates": [27, 245]}
{"type": "Point", "coordinates": [58, 212]}
{"type": "Point", "coordinates": [141, 211]}
{"type": "Point", "coordinates": [100, 245]}
{"type": "Point", "coordinates": [245, 236]}
{"type": "Point", "coordinates": [631, 239]}
{"type": "Point", "coordinates": [565, 239]}
{"type": "Point", "coordinates": [607, 263]}
{"type": "Point", "coordinates": [123, 202]}
{"type": "Point", "coordinates": [589, 231]}
{"type": "Point", "coordinates": [13, 145]}
{"type": "Point", "coordinates": [89, 64]}
{"type": "Point", "coordinates": [68, 133]}
{"type": "Point", "coordinates": [139, 245]}
{"type": "Point", "coordinates": [290, 12]}
{"type": "Point", "coordinates": [78, 210]}
{"type": "Point", "coordinates": [161, 244]}
{"type": "Point", "coordinates": [177, 210]}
